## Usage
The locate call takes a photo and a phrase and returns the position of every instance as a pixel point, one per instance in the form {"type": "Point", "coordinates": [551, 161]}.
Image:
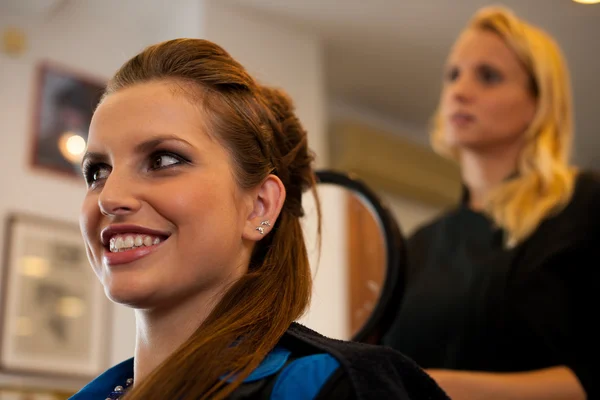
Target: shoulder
{"type": "Point", "coordinates": [586, 191]}
{"type": "Point", "coordinates": [102, 386]}
{"type": "Point", "coordinates": [564, 243]}
{"type": "Point", "coordinates": [579, 221]}
{"type": "Point", "coordinates": [446, 219]}
{"type": "Point", "coordinates": [309, 376]}
{"type": "Point", "coordinates": [366, 371]}
{"type": "Point", "coordinates": [586, 195]}
{"type": "Point", "coordinates": [589, 180]}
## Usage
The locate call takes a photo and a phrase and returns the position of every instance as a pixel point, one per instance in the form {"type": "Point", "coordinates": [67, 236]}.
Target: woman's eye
{"type": "Point", "coordinates": [452, 74]}
{"type": "Point", "coordinates": [96, 173]}
{"type": "Point", "coordinates": [101, 173]}
{"type": "Point", "coordinates": [160, 161]}
{"type": "Point", "coordinates": [490, 75]}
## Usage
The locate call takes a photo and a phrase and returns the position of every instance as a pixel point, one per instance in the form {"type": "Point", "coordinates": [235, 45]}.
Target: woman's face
{"type": "Point", "coordinates": [163, 218]}
{"type": "Point", "coordinates": [487, 101]}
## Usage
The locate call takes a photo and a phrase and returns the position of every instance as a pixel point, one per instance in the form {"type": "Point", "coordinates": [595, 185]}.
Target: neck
{"type": "Point", "coordinates": [484, 171]}
{"type": "Point", "coordinates": [160, 332]}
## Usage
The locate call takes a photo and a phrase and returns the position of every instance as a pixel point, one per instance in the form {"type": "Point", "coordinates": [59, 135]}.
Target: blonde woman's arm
{"type": "Point", "coordinates": [555, 383]}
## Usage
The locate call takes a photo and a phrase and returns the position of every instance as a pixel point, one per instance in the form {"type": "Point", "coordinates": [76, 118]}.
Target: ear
{"type": "Point", "coordinates": [267, 203]}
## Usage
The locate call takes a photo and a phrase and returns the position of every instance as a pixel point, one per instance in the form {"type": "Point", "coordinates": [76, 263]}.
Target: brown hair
{"type": "Point", "coordinates": [263, 136]}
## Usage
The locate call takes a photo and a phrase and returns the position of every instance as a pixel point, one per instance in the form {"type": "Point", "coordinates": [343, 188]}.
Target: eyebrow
{"type": "Point", "coordinates": [143, 147]}
{"type": "Point", "coordinates": [155, 141]}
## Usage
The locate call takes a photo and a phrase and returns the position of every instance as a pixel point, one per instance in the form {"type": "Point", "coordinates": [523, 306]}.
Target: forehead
{"type": "Point", "coordinates": [147, 109]}
{"type": "Point", "coordinates": [476, 46]}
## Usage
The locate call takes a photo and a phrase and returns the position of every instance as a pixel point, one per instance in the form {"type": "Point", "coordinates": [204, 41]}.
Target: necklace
{"type": "Point", "coordinates": [119, 391]}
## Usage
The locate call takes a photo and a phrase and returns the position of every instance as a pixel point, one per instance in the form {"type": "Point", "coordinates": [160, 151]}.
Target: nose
{"type": "Point", "coordinates": [118, 196]}
{"type": "Point", "coordinates": [463, 89]}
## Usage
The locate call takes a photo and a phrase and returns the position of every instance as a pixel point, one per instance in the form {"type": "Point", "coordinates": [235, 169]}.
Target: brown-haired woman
{"type": "Point", "coordinates": [502, 289]}
{"type": "Point", "coordinates": [192, 217]}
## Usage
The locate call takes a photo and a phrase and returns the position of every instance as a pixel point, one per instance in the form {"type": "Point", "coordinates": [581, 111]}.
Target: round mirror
{"type": "Point", "coordinates": [359, 264]}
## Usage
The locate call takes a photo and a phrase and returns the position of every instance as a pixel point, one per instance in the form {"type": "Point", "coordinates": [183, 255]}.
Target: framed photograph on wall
{"type": "Point", "coordinates": [16, 393]}
{"type": "Point", "coordinates": [54, 311]}
{"type": "Point", "coordinates": [65, 101]}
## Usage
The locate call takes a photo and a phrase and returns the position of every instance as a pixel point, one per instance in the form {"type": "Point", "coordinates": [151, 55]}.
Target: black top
{"type": "Point", "coordinates": [471, 304]}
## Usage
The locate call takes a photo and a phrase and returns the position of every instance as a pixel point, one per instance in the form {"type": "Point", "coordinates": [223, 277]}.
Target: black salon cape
{"type": "Point", "coordinates": [366, 372]}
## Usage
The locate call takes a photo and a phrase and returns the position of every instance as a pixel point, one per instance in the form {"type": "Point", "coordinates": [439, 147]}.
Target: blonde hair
{"type": "Point", "coordinates": [545, 180]}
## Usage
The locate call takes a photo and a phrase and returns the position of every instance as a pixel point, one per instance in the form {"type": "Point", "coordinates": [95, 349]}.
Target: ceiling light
{"type": "Point", "coordinates": [587, 1]}
{"type": "Point", "coordinates": [71, 146]}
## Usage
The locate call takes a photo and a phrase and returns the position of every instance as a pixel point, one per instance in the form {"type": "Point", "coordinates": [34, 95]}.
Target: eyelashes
{"type": "Point", "coordinates": [172, 159]}
{"type": "Point", "coordinates": [95, 173]}
{"type": "Point", "coordinates": [90, 171]}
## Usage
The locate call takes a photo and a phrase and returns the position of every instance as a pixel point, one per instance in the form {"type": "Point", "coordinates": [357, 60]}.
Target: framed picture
{"type": "Point", "coordinates": [54, 311]}
{"type": "Point", "coordinates": [65, 102]}
{"type": "Point", "coordinates": [14, 393]}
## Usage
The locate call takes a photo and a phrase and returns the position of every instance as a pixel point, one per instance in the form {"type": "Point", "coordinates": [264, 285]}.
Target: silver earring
{"type": "Point", "coordinates": [260, 228]}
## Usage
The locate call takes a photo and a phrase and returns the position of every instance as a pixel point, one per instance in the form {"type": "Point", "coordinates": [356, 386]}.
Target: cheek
{"type": "Point", "coordinates": [445, 100]}
{"type": "Point", "coordinates": [205, 209]}
{"type": "Point", "coordinates": [513, 113]}
{"type": "Point", "coordinates": [89, 223]}
{"type": "Point", "coordinates": [529, 110]}
{"type": "Point", "coordinates": [208, 233]}
{"type": "Point", "coordinates": [89, 218]}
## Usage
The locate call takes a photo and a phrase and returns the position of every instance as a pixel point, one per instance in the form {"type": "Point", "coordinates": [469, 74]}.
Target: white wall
{"type": "Point", "coordinates": [279, 56]}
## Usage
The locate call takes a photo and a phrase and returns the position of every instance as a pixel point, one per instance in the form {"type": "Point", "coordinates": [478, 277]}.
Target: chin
{"type": "Point", "coordinates": [128, 293]}
{"type": "Point", "coordinates": [464, 138]}
{"type": "Point", "coordinates": [467, 142]}
{"type": "Point", "coordinates": [127, 299]}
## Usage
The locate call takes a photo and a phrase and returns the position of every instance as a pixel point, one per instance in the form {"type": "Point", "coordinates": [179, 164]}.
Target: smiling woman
{"type": "Point", "coordinates": [195, 176]}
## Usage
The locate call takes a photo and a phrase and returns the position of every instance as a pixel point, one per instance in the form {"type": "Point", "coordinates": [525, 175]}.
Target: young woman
{"type": "Point", "coordinates": [192, 217]}
{"type": "Point", "coordinates": [502, 289]}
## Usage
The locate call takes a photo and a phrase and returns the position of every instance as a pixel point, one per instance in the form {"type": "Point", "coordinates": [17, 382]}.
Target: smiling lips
{"type": "Point", "coordinates": [127, 243]}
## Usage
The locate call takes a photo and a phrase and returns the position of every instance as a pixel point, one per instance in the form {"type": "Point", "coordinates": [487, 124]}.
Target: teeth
{"type": "Point", "coordinates": [130, 241]}
{"type": "Point", "coordinates": [147, 241]}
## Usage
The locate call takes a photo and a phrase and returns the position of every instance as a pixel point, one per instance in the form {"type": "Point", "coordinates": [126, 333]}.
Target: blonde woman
{"type": "Point", "coordinates": [501, 289]}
